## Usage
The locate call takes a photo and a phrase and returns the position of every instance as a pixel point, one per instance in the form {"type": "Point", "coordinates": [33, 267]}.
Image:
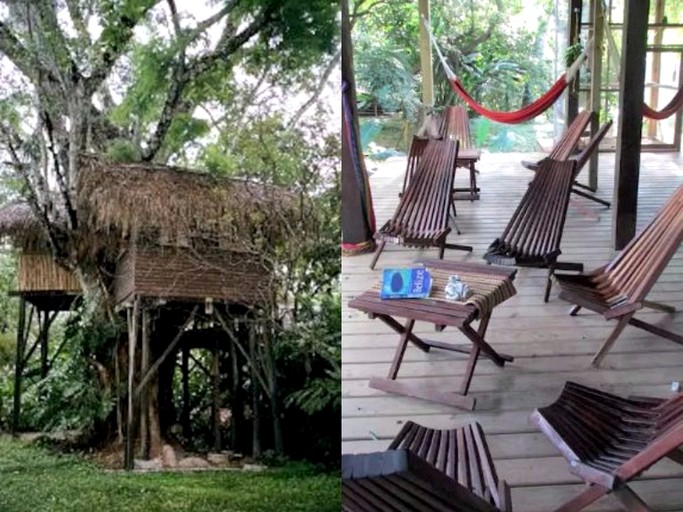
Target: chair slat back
{"type": "Point", "coordinates": [416, 149]}
{"type": "Point", "coordinates": [566, 145]}
{"type": "Point", "coordinates": [456, 125]}
{"type": "Point", "coordinates": [424, 207]}
{"type": "Point", "coordinates": [592, 146]}
{"type": "Point", "coordinates": [633, 273]}
{"type": "Point", "coordinates": [535, 229]}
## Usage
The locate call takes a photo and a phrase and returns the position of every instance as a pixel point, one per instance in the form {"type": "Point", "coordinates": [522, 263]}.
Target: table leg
{"type": "Point", "coordinates": [474, 355]}
{"type": "Point", "coordinates": [418, 342]}
{"type": "Point", "coordinates": [401, 349]}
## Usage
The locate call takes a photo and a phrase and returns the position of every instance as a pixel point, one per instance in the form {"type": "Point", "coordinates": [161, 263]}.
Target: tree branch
{"type": "Point", "coordinates": [53, 37]}
{"type": "Point", "coordinates": [184, 74]}
{"type": "Point", "coordinates": [17, 53]}
{"type": "Point", "coordinates": [115, 39]}
{"type": "Point", "coordinates": [318, 90]}
{"type": "Point", "coordinates": [78, 20]}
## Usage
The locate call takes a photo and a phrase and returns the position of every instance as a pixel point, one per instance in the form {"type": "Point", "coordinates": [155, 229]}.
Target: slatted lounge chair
{"type": "Point", "coordinates": [456, 125]}
{"type": "Point", "coordinates": [417, 147]}
{"type": "Point", "coordinates": [566, 146]}
{"type": "Point", "coordinates": [609, 440]}
{"type": "Point", "coordinates": [461, 454]}
{"type": "Point", "coordinates": [533, 235]}
{"type": "Point", "coordinates": [400, 481]}
{"type": "Point", "coordinates": [566, 149]}
{"type": "Point", "coordinates": [423, 213]}
{"type": "Point", "coordinates": [620, 288]}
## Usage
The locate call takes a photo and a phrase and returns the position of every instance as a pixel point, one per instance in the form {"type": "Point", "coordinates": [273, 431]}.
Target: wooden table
{"type": "Point", "coordinates": [441, 313]}
{"type": "Point", "coordinates": [467, 158]}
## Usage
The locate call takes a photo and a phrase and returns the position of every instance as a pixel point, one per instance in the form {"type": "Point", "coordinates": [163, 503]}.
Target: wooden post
{"type": "Point", "coordinates": [655, 75]}
{"type": "Point", "coordinates": [256, 427]}
{"type": "Point", "coordinates": [117, 389]}
{"type": "Point", "coordinates": [598, 16]}
{"type": "Point", "coordinates": [236, 404]}
{"type": "Point", "coordinates": [185, 375]}
{"type": "Point", "coordinates": [19, 364]}
{"type": "Point", "coordinates": [144, 396]}
{"type": "Point", "coordinates": [627, 165]}
{"type": "Point", "coordinates": [426, 56]}
{"type": "Point", "coordinates": [132, 341]}
{"type": "Point", "coordinates": [215, 395]}
{"type": "Point", "coordinates": [44, 327]}
{"type": "Point", "coordinates": [575, 7]}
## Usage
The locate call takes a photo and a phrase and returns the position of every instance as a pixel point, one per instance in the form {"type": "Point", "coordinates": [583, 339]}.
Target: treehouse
{"type": "Point", "coordinates": [186, 259]}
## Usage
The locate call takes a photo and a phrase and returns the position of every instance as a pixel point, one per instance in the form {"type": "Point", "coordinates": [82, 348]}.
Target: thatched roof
{"type": "Point", "coordinates": [123, 201]}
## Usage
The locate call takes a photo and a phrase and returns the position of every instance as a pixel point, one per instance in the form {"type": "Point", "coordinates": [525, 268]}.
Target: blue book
{"type": "Point", "coordinates": [405, 283]}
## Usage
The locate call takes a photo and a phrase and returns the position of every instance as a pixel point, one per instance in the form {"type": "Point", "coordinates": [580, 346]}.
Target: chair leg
{"type": "Point", "coordinates": [590, 495]}
{"type": "Point", "coordinates": [442, 249]}
{"type": "Point", "coordinates": [549, 284]}
{"type": "Point", "coordinates": [575, 310]}
{"type": "Point", "coordinates": [379, 250]}
{"type": "Point", "coordinates": [631, 500]}
{"type": "Point", "coordinates": [600, 354]}
{"type": "Point", "coordinates": [659, 306]}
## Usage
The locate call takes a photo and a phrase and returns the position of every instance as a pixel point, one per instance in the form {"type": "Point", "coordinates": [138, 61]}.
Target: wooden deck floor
{"type": "Point", "coordinates": [549, 346]}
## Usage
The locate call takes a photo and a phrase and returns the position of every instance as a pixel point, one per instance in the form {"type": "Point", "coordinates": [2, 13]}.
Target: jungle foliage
{"type": "Point", "coordinates": [501, 64]}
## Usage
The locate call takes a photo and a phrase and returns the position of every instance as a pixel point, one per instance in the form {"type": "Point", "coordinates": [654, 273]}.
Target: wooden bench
{"type": "Point", "coordinates": [533, 235]}
{"type": "Point", "coordinates": [461, 454]}
{"type": "Point", "coordinates": [422, 216]}
{"type": "Point", "coordinates": [400, 481]}
{"type": "Point", "coordinates": [609, 440]}
{"type": "Point", "coordinates": [619, 289]}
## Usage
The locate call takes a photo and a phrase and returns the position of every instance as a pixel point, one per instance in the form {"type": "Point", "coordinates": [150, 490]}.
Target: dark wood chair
{"type": "Point", "coordinates": [533, 235]}
{"type": "Point", "coordinates": [461, 454]}
{"type": "Point", "coordinates": [566, 149]}
{"type": "Point", "coordinates": [609, 440]}
{"type": "Point", "coordinates": [423, 213]}
{"type": "Point", "coordinates": [400, 481]}
{"type": "Point", "coordinates": [455, 124]}
{"type": "Point", "coordinates": [619, 289]}
{"type": "Point", "coordinates": [566, 146]}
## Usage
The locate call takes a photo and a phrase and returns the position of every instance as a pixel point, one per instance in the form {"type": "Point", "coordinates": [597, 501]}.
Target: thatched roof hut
{"type": "Point", "coordinates": [178, 204]}
{"type": "Point", "coordinates": [183, 234]}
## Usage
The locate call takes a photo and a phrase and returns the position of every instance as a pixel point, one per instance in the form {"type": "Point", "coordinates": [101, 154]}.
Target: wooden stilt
{"type": "Point", "coordinates": [44, 330]}
{"type": "Point", "coordinates": [236, 404]}
{"type": "Point", "coordinates": [132, 340]}
{"type": "Point", "coordinates": [256, 428]}
{"type": "Point", "coordinates": [19, 365]}
{"type": "Point", "coordinates": [117, 390]}
{"type": "Point", "coordinates": [216, 398]}
{"type": "Point", "coordinates": [144, 395]}
{"type": "Point", "coordinates": [185, 376]}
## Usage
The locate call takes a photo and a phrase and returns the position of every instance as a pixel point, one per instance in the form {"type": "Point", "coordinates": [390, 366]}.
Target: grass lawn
{"type": "Point", "coordinates": [35, 480]}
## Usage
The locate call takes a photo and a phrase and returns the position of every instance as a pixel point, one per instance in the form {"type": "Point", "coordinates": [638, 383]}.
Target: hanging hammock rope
{"type": "Point", "coordinates": [518, 116]}
{"type": "Point", "coordinates": [670, 109]}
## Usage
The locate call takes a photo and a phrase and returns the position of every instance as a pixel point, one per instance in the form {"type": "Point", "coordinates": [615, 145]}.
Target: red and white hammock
{"type": "Point", "coordinates": [518, 116]}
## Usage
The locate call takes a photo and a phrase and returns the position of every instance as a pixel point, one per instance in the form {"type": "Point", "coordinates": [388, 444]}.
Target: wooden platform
{"type": "Point", "coordinates": [549, 346]}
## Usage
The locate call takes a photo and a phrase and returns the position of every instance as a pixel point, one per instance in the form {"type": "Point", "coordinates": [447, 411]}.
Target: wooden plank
{"type": "Point", "coordinates": [632, 82]}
